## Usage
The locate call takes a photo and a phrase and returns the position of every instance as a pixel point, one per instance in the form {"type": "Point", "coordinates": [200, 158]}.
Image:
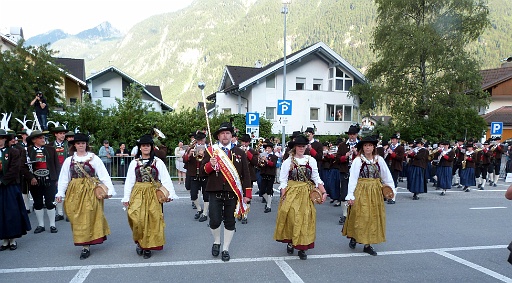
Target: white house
{"type": "Point", "coordinates": [318, 81]}
{"type": "Point", "coordinates": [110, 83]}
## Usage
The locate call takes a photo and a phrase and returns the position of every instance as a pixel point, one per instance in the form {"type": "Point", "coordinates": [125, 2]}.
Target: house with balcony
{"type": "Point", "coordinates": [318, 81]}
{"type": "Point", "coordinates": [111, 83]}
{"type": "Point", "coordinates": [498, 84]}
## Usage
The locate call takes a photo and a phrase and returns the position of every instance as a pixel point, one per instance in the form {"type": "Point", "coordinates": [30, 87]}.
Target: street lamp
{"type": "Point", "coordinates": [284, 11]}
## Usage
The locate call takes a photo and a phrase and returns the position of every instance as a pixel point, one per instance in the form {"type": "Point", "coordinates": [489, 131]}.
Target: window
{"type": "Point", "coordinates": [317, 84]}
{"type": "Point", "coordinates": [271, 81]}
{"type": "Point", "coordinates": [72, 101]}
{"type": "Point", "coordinates": [269, 113]}
{"type": "Point", "coordinates": [226, 111]}
{"type": "Point", "coordinates": [313, 114]}
{"type": "Point", "coordinates": [106, 92]}
{"type": "Point", "coordinates": [341, 82]}
{"type": "Point", "coordinates": [300, 83]}
{"type": "Point", "coordinates": [338, 113]}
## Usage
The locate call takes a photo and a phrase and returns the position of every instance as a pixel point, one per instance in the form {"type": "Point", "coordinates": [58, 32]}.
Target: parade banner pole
{"type": "Point", "coordinates": [201, 86]}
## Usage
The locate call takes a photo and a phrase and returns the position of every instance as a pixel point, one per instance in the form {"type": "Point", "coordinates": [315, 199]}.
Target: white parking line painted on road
{"type": "Point", "coordinates": [289, 272]}
{"type": "Point", "coordinates": [242, 260]}
{"type": "Point", "coordinates": [476, 267]}
{"type": "Point", "coordinates": [490, 207]}
{"type": "Point", "coordinates": [81, 275]}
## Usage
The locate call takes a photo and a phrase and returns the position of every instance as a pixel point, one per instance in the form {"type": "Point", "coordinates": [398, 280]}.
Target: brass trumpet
{"type": "Point", "coordinates": [262, 160]}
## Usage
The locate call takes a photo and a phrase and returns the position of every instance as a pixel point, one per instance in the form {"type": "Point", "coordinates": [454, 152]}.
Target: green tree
{"type": "Point", "coordinates": [25, 70]}
{"type": "Point", "coordinates": [423, 74]}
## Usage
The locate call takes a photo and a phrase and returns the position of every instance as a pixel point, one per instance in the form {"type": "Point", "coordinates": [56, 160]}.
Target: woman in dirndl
{"type": "Point", "coordinates": [296, 214]}
{"type": "Point", "coordinates": [145, 212]}
{"type": "Point", "coordinates": [14, 221]}
{"type": "Point", "coordinates": [84, 210]}
{"type": "Point", "coordinates": [366, 219]}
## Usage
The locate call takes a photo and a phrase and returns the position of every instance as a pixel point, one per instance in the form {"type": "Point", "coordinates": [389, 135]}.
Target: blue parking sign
{"type": "Point", "coordinates": [497, 128]}
{"type": "Point", "coordinates": [252, 119]}
{"type": "Point", "coordinates": [284, 107]}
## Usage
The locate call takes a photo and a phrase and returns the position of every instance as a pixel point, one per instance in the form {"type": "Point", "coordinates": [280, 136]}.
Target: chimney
{"type": "Point", "coordinates": [258, 64]}
{"type": "Point", "coordinates": [506, 62]}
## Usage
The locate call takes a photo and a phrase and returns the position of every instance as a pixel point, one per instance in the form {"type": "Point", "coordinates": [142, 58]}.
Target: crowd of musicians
{"type": "Point", "coordinates": [63, 177]}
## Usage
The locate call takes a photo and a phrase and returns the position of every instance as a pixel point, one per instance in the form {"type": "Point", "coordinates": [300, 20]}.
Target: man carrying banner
{"type": "Point", "coordinates": [229, 181]}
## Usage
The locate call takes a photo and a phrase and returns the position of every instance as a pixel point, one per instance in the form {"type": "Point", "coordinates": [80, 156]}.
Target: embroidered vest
{"type": "Point", "coordinates": [142, 174]}
{"type": "Point", "coordinates": [77, 173]}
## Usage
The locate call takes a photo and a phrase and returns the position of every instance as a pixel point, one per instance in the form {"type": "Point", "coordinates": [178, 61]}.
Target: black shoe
{"type": "Point", "coordinates": [53, 229]}
{"type": "Point", "coordinates": [303, 255]}
{"type": "Point", "coordinates": [3, 248]}
{"type": "Point", "coordinates": [352, 243]}
{"type": "Point", "coordinates": [415, 197]}
{"type": "Point", "coordinates": [146, 254]}
{"type": "Point", "coordinates": [225, 256]}
{"type": "Point", "coordinates": [494, 185]}
{"type": "Point", "coordinates": [215, 249]}
{"type": "Point", "coordinates": [59, 217]}
{"type": "Point", "coordinates": [459, 186]}
{"type": "Point", "coordinates": [28, 211]}
{"type": "Point", "coordinates": [338, 203]}
{"type": "Point", "coordinates": [443, 193]}
{"type": "Point", "coordinates": [198, 214]}
{"type": "Point", "coordinates": [289, 248]}
{"type": "Point", "coordinates": [342, 220]}
{"type": "Point", "coordinates": [13, 246]}
{"type": "Point", "coordinates": [369, 250]}
{"type": "Point", "coordinates": [332, 200]}
{"type": "Point", "coordinates": [85, 254]}
{"type": "Point", "coordinates": [267, 209]}
{"type": "Point", "coordinates": [203, 218]}
{"type": "Point", "coordinates": [39, 229]}
{"type": "Point", "coordinates": [479, 186]}
{"type": "Point", "coordinates": [390, 201]}
{"type": "Point", "coordinates": [67, 219]}
{"type": "Point", "coordinates": [244, 220]}
{"type": "Point", "coordinates": [467, 190]}
{"type": "Point", "coordinates": [138, 250]}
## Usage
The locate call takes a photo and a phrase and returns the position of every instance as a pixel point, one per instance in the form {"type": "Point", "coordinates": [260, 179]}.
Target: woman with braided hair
{"type": "Point", "coordinates": [296, 214]}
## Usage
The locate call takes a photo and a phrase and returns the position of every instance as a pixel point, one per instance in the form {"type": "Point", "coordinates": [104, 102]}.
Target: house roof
{"type": "Point", "coordinates": [7, 40]}
{"type": "Point", "coordinates": [241, 77]}
{"type": "Point", "coordinates": [381, 119]}
{"type": "Point", "coordinates": [493, 77]}
{"type": "Point", "coordinates": [502, 114]}
{"type": "Point", "coordinates": [75, 67]}
{"type": "Point", "coordinates": [157, 96]}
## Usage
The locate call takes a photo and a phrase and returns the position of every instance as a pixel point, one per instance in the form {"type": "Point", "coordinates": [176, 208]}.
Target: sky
{"type": "Point", "coordinates": [72, 16]}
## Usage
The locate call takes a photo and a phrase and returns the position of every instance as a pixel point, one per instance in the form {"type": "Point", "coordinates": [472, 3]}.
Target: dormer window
{"type": "Point", "coordinates": [339, 80]}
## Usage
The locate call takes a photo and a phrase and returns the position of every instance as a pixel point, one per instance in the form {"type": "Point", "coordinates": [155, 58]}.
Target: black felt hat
{"type": "Point", "coordinates": [145, 139]}
{"type": "Point", "coordinates": [369, 139]}
{"type": "Point", "coordinates": [395, 136]}
{"type": "Point", "coordinates": [352, 130]}
{"type": "Point", "coordinates": [199, 136]}
{"type": "Point", "coordinates": [299, 140]}
{"type": "Point", "coordinates": [59, 129]}
{"type": "Point", "coordinates": [245, 138]}
{"type": "Point", "coordinates": [225, 126]}
{"type": "Point", "coordinates": [79, 137]}
{"type": "Point", "coordinates": [267, 143]}
{"type": "Point", "coordinates": [310, 130]}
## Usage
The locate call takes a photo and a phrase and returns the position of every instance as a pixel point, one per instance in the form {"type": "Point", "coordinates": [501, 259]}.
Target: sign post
{"type": "Point", "coordinates": [496, 129]}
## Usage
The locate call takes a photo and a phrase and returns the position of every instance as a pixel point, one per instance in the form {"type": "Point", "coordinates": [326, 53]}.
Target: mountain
{"type": "Point", "coordinates": [49, 37]}
{"type": "Point", "coordinates": [176, 50]}
{"type": "Point", "coordinates": [103, 32]}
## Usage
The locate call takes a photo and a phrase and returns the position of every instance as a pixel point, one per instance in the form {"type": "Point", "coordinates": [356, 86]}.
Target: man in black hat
{"type": "Point", "coordinates": [484, 159]}
{"type": "Point", "coordinates": [457, 164]}
{"type": "Point", "coordinates": [41, 107]}
{"type": "Point", "coordinates": [61, 147]}
{"type": "Point", "coordinates": [224, 188]}
{"type": "Point", "coordinates": [497, 150]}
{"type": "Point", "coordinates": [314, 148]}
{"type": "Point", "coordinates": [252, 158]}
{"type": "Point", "coordinates": [45, 167]}
{"type": "Point", "coordinates": [396, 155]}
{"type": "Point", "coordinates": [198, 179]}
{"type": "Point", "coordinates": [267, 163]}
{"type": "Point", "coordinates": [347, 151]}
{"type": "Point", "coordinates": [24, 172]}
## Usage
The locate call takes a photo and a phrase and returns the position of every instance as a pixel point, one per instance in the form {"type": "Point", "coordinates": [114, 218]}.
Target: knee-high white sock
{"type": "Point", "coordinates": [25, 200]}
{"type": "Point", "coordinates": [60, 208]}
{"type": "Point", "coordinates": [479, 181]}
{"type": "Point", "coordinates": [490, 177]}
{"type": "Point", "coordinates": [344, 208]}
{"type": "Point", "coordinates": [51, 216]}
{"type": "Point", "coordinates": [205, 211]}
{"type": "Point", "coordinates": [496, 177]}
{"type": "Point", "coordinates": [269, 201]}
{"type": "Point", "coordinates": [483, 183]}
{"type": "Point", "coordinates": [228, 236]}
{"type": "Point", "coordinates": [198, 205]}
{"type": "Point", "coordinates": [216, 235]}
{"type": "Point", "coordinates": [6, 242]}
{"type": "Point", "coordinates": [265, 196]}
{"type": "Point", "coordinates": [40, 215]}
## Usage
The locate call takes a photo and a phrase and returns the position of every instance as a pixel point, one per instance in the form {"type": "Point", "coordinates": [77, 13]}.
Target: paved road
{"type": "Point", "coordinates": [460, 237]}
